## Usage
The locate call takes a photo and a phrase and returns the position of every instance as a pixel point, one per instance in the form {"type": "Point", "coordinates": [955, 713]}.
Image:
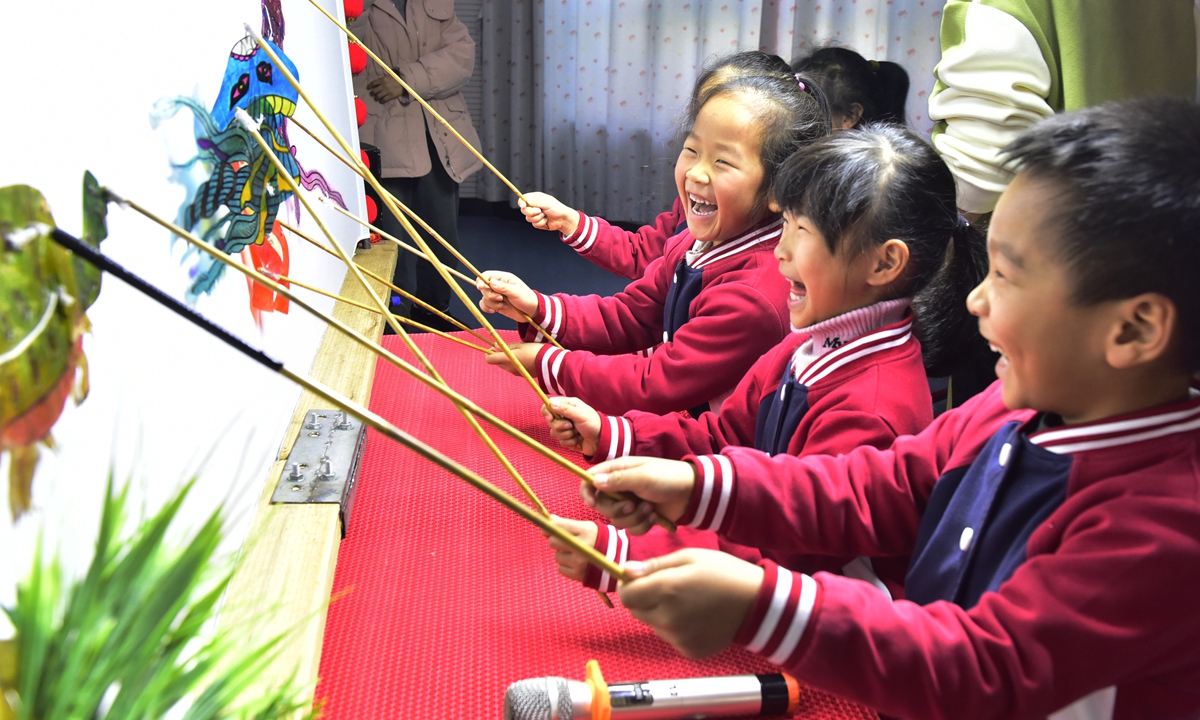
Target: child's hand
{"type": "Point", "coordinates": [545, 212]}
{"type": "Point", "coordinates": [577, 426]}
{"type": "Point", "coordinates": [525, 353]}
{"type": "Point", "coordinates": [506, 294]}
{"type": "Point", "coordinates": [694, 599]}
{"type": "Point", "coordinates": [664, 486]}
{"type": "Point", "coordinates": [570, 563]}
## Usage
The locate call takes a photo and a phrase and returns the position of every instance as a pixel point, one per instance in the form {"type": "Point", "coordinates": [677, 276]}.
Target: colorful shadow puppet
{"type": "Point", "coordinates": [234, 191]}
{"type": "Point", "coordinates": [44, 293]}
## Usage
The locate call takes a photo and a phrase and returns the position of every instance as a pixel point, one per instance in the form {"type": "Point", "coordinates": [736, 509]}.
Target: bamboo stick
{"type": "Point", "coordinates": [399, 318]}
{"type": "Point", "coordinates": [421, 222]}
{"type": "Point", "coordinates": [252, 127]}
{"type": "Point", "coordinates": [357, 337]}
{"type": "Point", "coordinates": [398, 290]}
{"type": "Point", "coordinates": [466, 263]}
{"type": "Point", "coordinates": [381, 425]}
{"type": "Point", "coordinates": [420, 100]}
{"type": "Point", "coordinates": [412, 232]}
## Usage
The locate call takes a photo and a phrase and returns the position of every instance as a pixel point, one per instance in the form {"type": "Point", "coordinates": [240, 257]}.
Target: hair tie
{"type": "Point", "coordinates": [874, 65]}
{"type": "Point", "coordinates": [800, 83]}
{"type": "Point", "coordinates": [962, 225]}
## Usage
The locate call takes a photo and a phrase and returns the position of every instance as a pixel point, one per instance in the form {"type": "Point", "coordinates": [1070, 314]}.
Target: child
{"type": "Point", "coordinates": [1053, 520]}
{"type": "Point", "coordinates": [714, 299]}
{"type": "Point", "coordinates": [859, 91]}
{"type": "Point", "coordinates": [868, 217]}
{"type": "Point", "coordinates": [618, 251]}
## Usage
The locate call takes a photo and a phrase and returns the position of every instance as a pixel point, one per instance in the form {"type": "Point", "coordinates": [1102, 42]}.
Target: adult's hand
{"type": "Point", "coordinates": [385, 89]}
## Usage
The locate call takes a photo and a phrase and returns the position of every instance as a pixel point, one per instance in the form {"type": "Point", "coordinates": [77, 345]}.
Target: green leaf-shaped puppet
{"type": "Point", "coordinates": [44, 292]}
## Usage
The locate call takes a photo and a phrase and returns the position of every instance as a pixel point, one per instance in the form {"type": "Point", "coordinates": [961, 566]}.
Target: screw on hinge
{"type": "Point", "coordinates": [343, 422]}
{"type": "Point", "coordinates": [326, 473]}
{"type": "Point", "coordinates": [295, 475]}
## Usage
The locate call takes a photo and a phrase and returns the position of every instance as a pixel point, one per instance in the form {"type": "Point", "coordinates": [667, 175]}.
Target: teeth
{"type": "Point", "coordinates": [701, 206]}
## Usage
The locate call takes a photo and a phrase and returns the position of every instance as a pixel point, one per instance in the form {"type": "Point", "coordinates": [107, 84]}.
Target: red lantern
{"type": "Point", "coordinates": [353, 8]}
{"type": "Point", "coordinates": [372, 210]}
{"type": "Point", "coordinates": [358, 59]}
{"type": "Point", "coordinates": [366, 160]}
{"type": "Point", "coordinates": [360, 110]}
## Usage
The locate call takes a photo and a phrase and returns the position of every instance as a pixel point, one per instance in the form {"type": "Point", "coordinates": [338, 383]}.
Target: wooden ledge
{"type": "Point", "coordinates": [285, 572]}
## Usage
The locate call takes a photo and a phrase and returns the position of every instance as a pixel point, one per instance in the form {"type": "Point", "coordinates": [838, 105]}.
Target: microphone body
{"type": "Point", "coordinates": [735, 695]}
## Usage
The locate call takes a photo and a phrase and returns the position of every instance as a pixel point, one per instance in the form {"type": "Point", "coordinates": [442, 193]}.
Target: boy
{"type": "Point", "coordinates": [1053, 520]}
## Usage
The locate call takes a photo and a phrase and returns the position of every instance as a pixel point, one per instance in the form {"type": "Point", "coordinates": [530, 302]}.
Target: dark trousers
{"type": "Point", "coordinates": [434, 198]}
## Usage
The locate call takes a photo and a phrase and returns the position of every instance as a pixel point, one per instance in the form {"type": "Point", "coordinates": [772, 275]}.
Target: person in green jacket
{"type": "Point", "coordinates": [1006, 64]}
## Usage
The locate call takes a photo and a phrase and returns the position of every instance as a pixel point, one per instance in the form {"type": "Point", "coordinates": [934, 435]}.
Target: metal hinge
{"type": "Point", "coordinates": [323, 464]}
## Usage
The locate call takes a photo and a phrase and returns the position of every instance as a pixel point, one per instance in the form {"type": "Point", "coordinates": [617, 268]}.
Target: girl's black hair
{"type": "Point", "coordinates": [717, 71]}
{"type": "Point", "coordinates": [880, 88]}
{"type": "Point", "coordinates": [792, 114]}
{"type": "Point", "coordinates": [865, 186]}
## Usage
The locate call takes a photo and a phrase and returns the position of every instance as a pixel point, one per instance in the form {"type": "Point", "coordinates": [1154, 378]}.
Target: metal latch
{"type": "Point", "coordinates": [323, 464]}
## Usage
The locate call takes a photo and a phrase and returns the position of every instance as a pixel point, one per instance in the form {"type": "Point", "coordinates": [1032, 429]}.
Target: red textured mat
{"type": "Point", "coordinates": [449, 597]}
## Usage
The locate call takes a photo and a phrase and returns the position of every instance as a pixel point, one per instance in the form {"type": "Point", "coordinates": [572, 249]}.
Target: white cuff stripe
{"type": "Point", "coordinates": [544, 302]}
{"type": "Point", "coordinates": [705, 492]}
{"type": "Point", "coordinates": [557, 304]}
{"type": "Point", "coordinates": [612, 437]}
{"type": "Point", "coordinates": [726, 490]}
{"type": "Point", "coordinates": [579, 234]}
{"type": "Point", "coordinates": [783, 588]}
{"type": "Point", "coordinates": [627, 446]}
{"type": "Point", "coordinates": [546, 360]}
{"type": "Point", "coordinates": [591, 230]}
{"type": "Point", "coordinates": [808, 598]}
{"type": "Point", "coordinates": [555, 366]}
{"type": "Point", "coordinates": [610, 551]}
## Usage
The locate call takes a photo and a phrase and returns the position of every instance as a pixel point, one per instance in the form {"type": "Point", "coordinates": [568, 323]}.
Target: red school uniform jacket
{"type": "Point", "coordinates": [737, 313]}
{"type": "Point", "coordinates": [625, 253]}
{"type": "Point", "coordinates": [869, 391]}
{"type": "Point", "coordinates": [1054, 570]}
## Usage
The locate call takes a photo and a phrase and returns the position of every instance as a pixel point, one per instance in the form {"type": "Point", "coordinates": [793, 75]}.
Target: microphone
{"type": "Point", "coordinates": [555, 698]}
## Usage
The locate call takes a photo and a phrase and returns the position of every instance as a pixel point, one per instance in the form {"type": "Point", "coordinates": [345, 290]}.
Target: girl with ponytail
{"type": "Point", "coordinates": [879, 265]}
{"type": "Point", "coordinates": [860, 91]}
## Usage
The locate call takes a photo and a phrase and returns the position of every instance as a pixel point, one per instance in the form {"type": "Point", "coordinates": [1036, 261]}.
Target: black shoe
{"type": "Point", "coordinates": [437, 322]}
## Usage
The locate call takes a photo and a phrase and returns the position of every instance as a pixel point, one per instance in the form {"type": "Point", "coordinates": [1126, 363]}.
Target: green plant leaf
{"type": "Point", "coordinates": [133, 628]}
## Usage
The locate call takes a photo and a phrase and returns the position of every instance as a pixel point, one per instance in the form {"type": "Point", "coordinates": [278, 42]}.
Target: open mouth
{"type": "Point", "coordinates": [701, 207]}
{"type": "Point", "coordinates": [1002, 362]}
{"type": "Point", "coordinates": [797, 292]}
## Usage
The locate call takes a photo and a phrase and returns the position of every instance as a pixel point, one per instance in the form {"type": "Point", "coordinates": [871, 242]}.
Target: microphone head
{"type": "Point", "coordinates": [547, 698]}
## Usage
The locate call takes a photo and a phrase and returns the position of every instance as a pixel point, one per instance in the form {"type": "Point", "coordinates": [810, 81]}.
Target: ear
{"type": "Point", "coordinates": [887, 262]}
{"type": "Point", "coordinates": [1143, 330]}
{"type": "Point", "coordinates": [852, 116]}
{"type": "Point", "coordinates": [773, 206]}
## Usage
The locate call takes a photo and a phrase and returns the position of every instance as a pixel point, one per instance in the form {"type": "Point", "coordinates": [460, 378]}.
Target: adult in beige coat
{"type": "Point", "coordinates": [422, 163]}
